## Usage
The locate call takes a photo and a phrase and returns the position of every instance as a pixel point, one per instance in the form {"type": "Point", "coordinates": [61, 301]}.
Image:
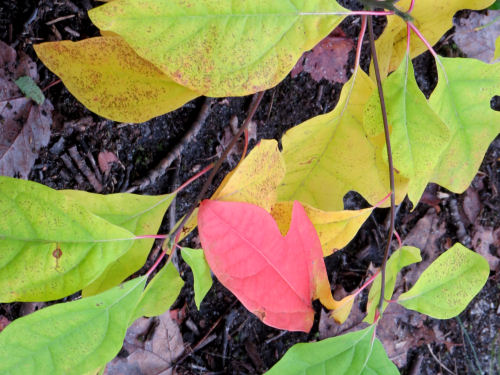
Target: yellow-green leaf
{"type": "Point", "coordinates": [497, 49]}
{"type": "Point", "coordinates": [335, 228]}
{"type": "Point", "coordinates": [110, 79]}
{"type": "Point", "coordinates": [70, 338]}
{"type": "Point", "coordinates": [447, 286]}
{"type": "Point", "coordinates": [357, 353]}
{"type": "Point", "coordinates": [418, 135]}
{"type": "Point", "coordinates": [432, 18]}
{"type": "Point", "coordinates": [399, 259]}
{"type": "Point", "coordinates": [329, 155]}
{"type": "Point", "coordinates": [139, 214]}
{"type": "Point", "coordinates": [201, 272]}
{"type": "Point", "coordinates": [160, 294]}
{"type": "Point", "coordinates": [224, 47]}
{"type": "Point", "coordinates": [50, 245]}
{"type": "Point", "coordinates": [462, 100]}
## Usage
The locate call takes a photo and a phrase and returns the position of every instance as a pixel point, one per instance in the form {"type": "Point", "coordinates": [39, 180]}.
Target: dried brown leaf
{"type": "Point", "coordinates": [24, 125]}
{"type": "Point", "coordinates": [327, 60]}
{"type": "Point", "coordinates": [152, 346]}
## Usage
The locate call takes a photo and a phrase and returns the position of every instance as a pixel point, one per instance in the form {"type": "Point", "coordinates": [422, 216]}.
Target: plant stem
{"type": "Point", "coordinates": [389, 157]}
{"type": "Point", "coordinates": [253, 108]}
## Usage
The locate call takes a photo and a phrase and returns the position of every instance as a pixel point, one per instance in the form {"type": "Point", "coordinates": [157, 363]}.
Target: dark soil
{"type": "Point", "coordinates": [238, 342]}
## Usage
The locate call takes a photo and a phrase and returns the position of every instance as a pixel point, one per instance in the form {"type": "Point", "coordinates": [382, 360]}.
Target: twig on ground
{"type": "Point", "coordinates": [159, 170]}
{"type": "Point", "coordinates": [68, 163]}
{"type": "Point", "coordinates": [438, 361]}
{"type": "Point", "coordinates": [58, 19]}
{"type": "Point", "coordinates": [83, 167]}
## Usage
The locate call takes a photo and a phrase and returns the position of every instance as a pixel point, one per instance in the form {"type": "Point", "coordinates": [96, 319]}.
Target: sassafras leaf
{"type": "Point", "coordinates": [354, 353]}
{"type": "Point", "coordinates": [201, 272]}
{"type": "Point", "coordinates": [418, 135]}
{"type": "Point", "coordinates": [50, 245]}
{"type": "Point", "coordinates": [70, 338]}
{"type": "Point", "coordinates": [447, 286]}
{"type": "Point", "coordinates": [247, 253]}
{"type": "Point", "coordinates": [462, 99]}
{"type": "Point", "coordinates": [333, 150]}
{"type": "Point", "coordinates": [224, 47]}
{"type": "Point", "coordinates": [109, 78]}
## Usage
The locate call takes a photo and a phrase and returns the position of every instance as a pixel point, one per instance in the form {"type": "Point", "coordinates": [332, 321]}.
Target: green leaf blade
{"type": "Point", "coordinates": [51, 246]}
{"type": "Point", "coordinates": [399, 259]}
{"type": "Point", "coordinates": [462, 100]}
{"type": "Point", "coordinates": [70, 338]}
{"type": "Point", "coordinates": [353, 353]}
{"type": "Point", "coordinates": [220, 48]}
{"type": "Point", "coordinates": [418, 135]}
{"type": "Point", "coordinates": [139, 214]}
{"type": "Point", "coordinates": [160, 293]}
{"type": "Point", "coordinates": [447, 286]}
{"type": "Point", "coordinates": [201, 272]}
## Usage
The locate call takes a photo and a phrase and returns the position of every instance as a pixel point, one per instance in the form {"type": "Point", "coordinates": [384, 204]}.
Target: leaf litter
{"type": "Point", "coordinates": [25, 126]}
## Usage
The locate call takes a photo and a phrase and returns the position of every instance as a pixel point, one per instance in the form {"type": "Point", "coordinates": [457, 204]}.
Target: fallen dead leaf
{"type": "Point", "coordinates": [25, 126]}
{"type": "Point", "coordinates": [327, 60]}
{"type": "Point", "coordinates": [152, 345]}
{"type": "Point", "coordinates": [476, 34]}
{"type": "Point", "coordinates": [486, 241]}
{"type": "Point", "coordinates": [471, 204]}
{"type": "Point", "coordinates": [105, 159]}
{"type": "Point", "coordinates": [400, 330]}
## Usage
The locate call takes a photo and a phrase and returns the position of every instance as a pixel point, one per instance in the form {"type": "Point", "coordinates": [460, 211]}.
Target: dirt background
{"type": "Point", "coordinates": [223, 337]}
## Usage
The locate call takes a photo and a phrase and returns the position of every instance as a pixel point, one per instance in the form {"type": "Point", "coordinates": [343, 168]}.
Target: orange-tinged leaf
{"type": "Point", "coordinates": [110, 79]}
{"type": "Point", "coordinates": [341, 313]}
{"type": "Point", "coordinates": [274, 276]}
{"type": "Point", "coordinates": [335, 228]}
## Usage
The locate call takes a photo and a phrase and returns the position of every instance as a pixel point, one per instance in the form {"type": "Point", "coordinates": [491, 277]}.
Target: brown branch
{"type": "Point", "coordinates": [389, 157]}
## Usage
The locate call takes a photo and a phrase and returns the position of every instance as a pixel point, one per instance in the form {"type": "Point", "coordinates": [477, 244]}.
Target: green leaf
{"type": "Point", "coordinates": [332, 150]}
{"type": "Point", "coordinates": [139, 214]}
{"type": "Point", "coordinates": [354, 353]}
{"type": "Point", "coordinates": [160, 293]}
{"type": "Point", "coordinates": [30, 89]}
{"type": "Point", "coordinates": [70, 338]}
{"type": "Point", "coordinates": [399, 259]}
{"type": "Point", "coordinates": [462, 100]}
{"type": "Point", "coordinates": [418, 135]}
{"type": "Point", "coordinates": [201, 272]}
{"type": "Point", "coordinates": [447, 286]}
{"type": "Point", "coordinates": [50, 245]}
{"type": "Point", "coordinates": [224, 47]}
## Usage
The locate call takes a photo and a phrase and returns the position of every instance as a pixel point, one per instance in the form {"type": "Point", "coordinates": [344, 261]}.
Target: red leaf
{"type": "Point", "coordinates": [274, 277]}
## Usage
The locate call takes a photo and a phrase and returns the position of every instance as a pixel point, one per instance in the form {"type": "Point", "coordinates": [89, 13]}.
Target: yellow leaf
{"type": "Point", "coordinates": [344, 307]}
{"type": "Point", "coordinates": [329, 155]}
{"type": "Point", "coordinates": [335, 229]}
{"type": "Point", "coordinates": [432, 18]}
{"type": "Point", "coordinates": [256, 178]}
{"type": "Point", "coordinates": [110, 79]}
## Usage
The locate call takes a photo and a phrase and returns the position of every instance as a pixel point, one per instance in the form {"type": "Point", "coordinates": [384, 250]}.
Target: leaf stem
{"type": "Point", "coordinates": [389, 157]}
{"type": "Point", "coordinates": [253, 108]}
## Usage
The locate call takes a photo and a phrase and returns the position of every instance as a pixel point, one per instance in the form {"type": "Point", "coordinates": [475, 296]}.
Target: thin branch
{"type": "Point", "coordinates": [253, 108]}
{"type": "Point", "coordinates": [159, 170]}
{"type": "Point", "coordinates": [389, 157]}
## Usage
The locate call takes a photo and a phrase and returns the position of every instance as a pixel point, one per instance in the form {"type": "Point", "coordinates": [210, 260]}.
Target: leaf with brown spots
{"type": "Point", "coordinates": [109, 78]}
{"type": "Point", "coordinates": [224, 47]}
